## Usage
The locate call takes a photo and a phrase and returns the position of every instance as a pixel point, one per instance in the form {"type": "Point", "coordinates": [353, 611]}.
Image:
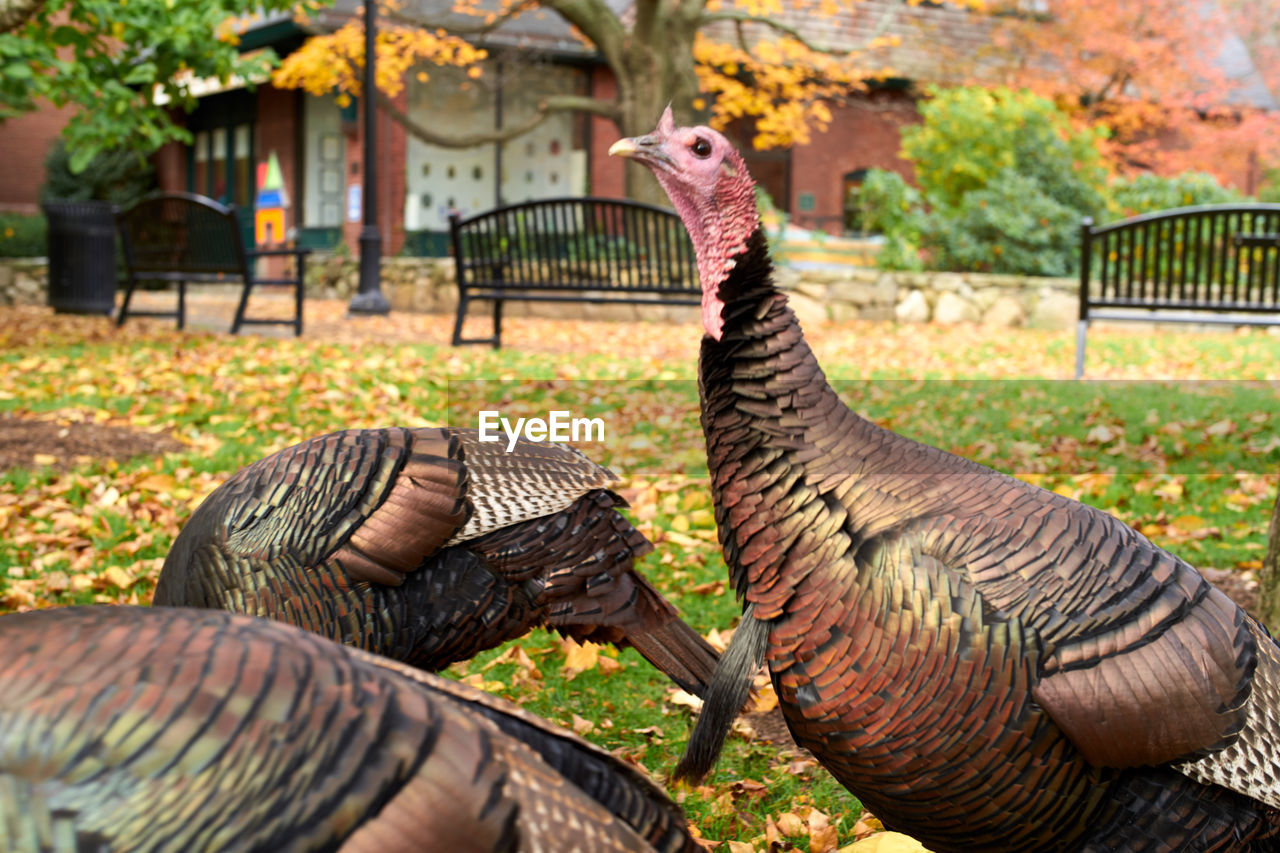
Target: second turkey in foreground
{"type": "Point", "coordinates": [162, 729]}
{"type": "Point", "coordinates": [988, 665]}
{"type": "Point", "coordinates": [427, 546]}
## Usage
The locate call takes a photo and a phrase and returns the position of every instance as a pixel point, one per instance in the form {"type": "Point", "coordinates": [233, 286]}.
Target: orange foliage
{"type": "Point", "coordinates": [786, 82]}
{"type": "Point", "coordinates": [1148, 71]}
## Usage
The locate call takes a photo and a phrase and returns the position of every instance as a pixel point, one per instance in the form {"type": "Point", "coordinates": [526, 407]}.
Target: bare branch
{"type": "Point", "coordinates": [790, 30]}
{"type": "Point", "coordinates": [546, 106]}
{"type": "Point", "coordinates": [598, 23]}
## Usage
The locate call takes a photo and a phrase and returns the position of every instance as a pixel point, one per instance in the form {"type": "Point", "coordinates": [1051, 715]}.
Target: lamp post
{"type": "Point", "coordinates": [369, 298]}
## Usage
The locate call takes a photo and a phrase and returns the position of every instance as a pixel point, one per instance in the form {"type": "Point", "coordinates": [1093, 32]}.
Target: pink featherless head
{"type": "Point", "coordinates": [707, 182]}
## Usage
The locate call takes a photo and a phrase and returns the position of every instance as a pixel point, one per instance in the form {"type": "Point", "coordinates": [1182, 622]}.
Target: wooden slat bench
{"type": "Point", "coordinates": [183, 237]}
{"type": "Point", "coordinates": [1208, 264]}
{"type": "Point", "coordinates": [593, 250]}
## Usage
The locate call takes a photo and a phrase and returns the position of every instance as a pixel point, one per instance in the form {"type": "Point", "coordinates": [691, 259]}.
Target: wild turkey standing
{"type": "Point", "coordinates": [150, 729]}
{"type": "Point", "coordinates": [427, 546]}
{"type": "Point", "coordinates": [987, 665]}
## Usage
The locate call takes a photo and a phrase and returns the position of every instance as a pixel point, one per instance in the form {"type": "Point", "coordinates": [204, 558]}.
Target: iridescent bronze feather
{"type": "Point", "coordinates": [428, 546]}
{"type": "Point", "coordinates": [986, 664]}
{"type": "Point", "coordinates": [150, 729]}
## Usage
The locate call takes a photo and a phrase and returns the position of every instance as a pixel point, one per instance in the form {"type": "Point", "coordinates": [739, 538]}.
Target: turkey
{"type": "Point", "coordinates": [148, 729]}
{"type": "Point", "coordinates": [427, 546]}
{"type": "Point", "coordinates": [987, 665]}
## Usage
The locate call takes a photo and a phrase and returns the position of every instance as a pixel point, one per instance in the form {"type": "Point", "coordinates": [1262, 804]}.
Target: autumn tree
{"type": "Point", "coordinates": [126, 65]}
{"type": "Point", "coordinates": [762, 59]}
{"type": "Point", "coordinates": [1169, 79]}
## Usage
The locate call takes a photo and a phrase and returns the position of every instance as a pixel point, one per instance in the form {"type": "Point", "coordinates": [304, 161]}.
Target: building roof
{"type": "Point", "coordinates": [925, 42]}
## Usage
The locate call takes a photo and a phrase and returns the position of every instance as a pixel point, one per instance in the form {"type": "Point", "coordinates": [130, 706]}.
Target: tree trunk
{"type": "Point", "coordinates": [659, 71]}
{"type": "Point", "coordinates": [1269, 580]}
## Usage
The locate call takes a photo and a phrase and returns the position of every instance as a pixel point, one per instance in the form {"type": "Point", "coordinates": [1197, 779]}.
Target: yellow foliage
{"type": "Point", "coordinates": [335, 62]}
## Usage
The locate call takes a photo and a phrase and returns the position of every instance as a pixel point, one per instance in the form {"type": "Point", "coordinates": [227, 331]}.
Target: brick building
{"type": "Point", "coordinates": [319, 145]}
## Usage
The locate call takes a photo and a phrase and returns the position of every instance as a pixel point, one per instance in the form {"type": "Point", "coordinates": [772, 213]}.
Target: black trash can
{"type": "Point", "coordinates": [82, 256]}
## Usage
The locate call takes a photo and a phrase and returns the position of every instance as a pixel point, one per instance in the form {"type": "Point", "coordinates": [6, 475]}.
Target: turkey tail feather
{"type": "Point", "coordinates": [680, 652]}
{"type": "Point", "coordinates": [730, 687]}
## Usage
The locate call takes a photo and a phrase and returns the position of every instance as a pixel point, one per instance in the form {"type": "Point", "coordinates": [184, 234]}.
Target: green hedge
{"type": "Point", "coordinates": [22, 235]}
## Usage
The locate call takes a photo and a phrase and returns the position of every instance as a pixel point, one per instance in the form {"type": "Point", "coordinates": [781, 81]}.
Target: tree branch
{"type": "Point", "coordinates": [598, 23]}
{"type": "Point", "coordinates": [792, 31]}
{"type": "Point", "coordinates": [546, 106]}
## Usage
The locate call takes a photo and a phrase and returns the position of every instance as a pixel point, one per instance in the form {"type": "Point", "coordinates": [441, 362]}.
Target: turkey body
{"type": "Point", "coordinates": [161, 729]}
{"type": "Point", "coordinates": [987, 665]}
{"type": "Point", "coordinates": [428, 546]}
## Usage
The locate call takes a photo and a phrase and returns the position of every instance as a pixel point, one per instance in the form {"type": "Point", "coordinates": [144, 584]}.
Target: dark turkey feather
{"type": "Point", "coordinates": [986, 664]}
{"type": "Point", "coordinates": [150, 729]}
{"type": "Point", "coordinates": [428, 546]}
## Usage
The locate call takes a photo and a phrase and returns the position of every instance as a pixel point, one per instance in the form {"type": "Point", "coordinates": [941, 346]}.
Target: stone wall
{"type": "Point", "coordinates": [427, 284]}
{"type": "Point", "coordinates": [932, 297]}
{"type": "Point", "coordinates": [23, 281]}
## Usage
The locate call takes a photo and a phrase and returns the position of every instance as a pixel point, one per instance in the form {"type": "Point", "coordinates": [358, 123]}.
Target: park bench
{"type": "Point", "coordinates": [1209, 264]}
{"type": "Point", "coordinates": [593, 250]}
{"type": "Point", "coordinates": [184, 237]}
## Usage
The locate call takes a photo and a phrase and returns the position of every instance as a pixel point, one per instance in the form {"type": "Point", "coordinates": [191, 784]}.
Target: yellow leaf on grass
{"type": "Point", "coordinates": [518, 656]}
{"type": "Point", "coordinates": [157, 483]}
{"type": "Point", "coordinates": [741, 847]}
{"type": "Point", "coordinates": [766, 699]}
{"type": "Point", "coordinates": [581, 726]}
{"type": "Point", "coordinates": [578, 657]}
{"type": "Point", "coordinates": [885, 842]}
{"type": "Point", "coordinates": [117, 577]}
{"type": "Point", "coordinates": [1189, 522]}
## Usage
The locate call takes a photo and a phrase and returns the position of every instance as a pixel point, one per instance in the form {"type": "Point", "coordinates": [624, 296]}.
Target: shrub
{"type": "Point", "coordinates": [891, 207]}
{"type": "Point", "coordinates": [969, 135]}
{"type": "Point", "coordinates": [121, 177]}
{"type": "Point", "coordinates": [22, 235]}
{"type": "Point", "coordinates": [1005, 180]}
{"type": "Point", "coordinates": [1146, 193]}
{"type": "Point", "coordinates": [1012, 225]}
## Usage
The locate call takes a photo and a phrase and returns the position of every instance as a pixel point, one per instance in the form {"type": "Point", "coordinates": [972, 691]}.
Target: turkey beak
{"type": "Point", "coordinates": [644, 149]}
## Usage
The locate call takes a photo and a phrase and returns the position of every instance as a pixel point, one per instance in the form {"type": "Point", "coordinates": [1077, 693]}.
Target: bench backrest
{"type": "Point", "coordinates": [1208, 258]}
{"type": "Point", "coordinates": [181, 233]}
{"type": "Point", "coordinates": [576, 244]}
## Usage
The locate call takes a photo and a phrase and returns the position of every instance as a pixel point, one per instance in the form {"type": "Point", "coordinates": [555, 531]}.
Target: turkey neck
{"type": "Point", "coordinates": [787, 461]}
{"type": "Point", "coordinates": [765, 404]}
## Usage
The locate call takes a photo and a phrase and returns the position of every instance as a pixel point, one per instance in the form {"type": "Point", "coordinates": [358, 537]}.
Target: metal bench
{"type": "Point", "coordinates": [184, 237]}
{"type": "Point", "coordinates": [1208, 264]}
{"type": "Point", "coordinates": [593, 250]}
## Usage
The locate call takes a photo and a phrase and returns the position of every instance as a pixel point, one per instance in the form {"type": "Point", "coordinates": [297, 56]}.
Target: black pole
{"type": "Point", "coordinates": [369, 298]}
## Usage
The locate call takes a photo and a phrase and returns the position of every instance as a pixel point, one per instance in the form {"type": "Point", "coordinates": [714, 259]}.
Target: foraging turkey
{"type": "Point", "coordinates": [427, 546]}
{"type": "Point", "coordinates": [987, 665]}
{"type": "Point", "coordinates": [147, 729]}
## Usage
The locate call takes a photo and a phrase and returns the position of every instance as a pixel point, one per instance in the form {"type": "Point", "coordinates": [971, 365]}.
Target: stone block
{"type": "Point", "coordinates": [1054, 310]}
{"type": "Point", "coordinates": [953, 308]}
{"type": "Point", "coordinates": [843, 312]}
{"type": "Point", "coordinates": [855, 292]}
{"type": "Point", "coordinates": [947, 281]}
{"type": "Point", "coordinates": [1005, 312]}
{"type": "Point", "coordinates": [811, 312]}
{"type": "Point", "coordinates": [914, 308]}
{"type": "Point", "coordinates": [878, 313]}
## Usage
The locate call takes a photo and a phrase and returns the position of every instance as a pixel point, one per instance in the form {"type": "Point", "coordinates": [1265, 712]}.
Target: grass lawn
{"type": "Point", "coordinates": [1180, 440]}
